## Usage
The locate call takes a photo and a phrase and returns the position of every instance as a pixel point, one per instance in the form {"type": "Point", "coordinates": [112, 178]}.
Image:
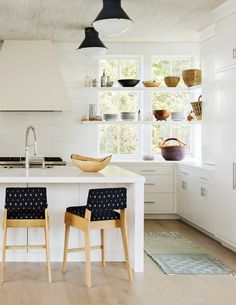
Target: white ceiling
{"type": "Point", "coordinates": [64, 20]}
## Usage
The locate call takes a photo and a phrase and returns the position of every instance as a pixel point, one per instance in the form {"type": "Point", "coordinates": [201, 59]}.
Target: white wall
{"type": "Point", "coordinates": [61, 134]}
{"type": "Point", "coordinates": [209, 137]}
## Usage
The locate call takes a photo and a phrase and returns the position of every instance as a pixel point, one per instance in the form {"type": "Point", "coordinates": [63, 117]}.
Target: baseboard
{"type": "Point", "coordinates": [218, 239]}
{"type": "Point", "coordinates": [198, 228]}
{"type": "Point", "coordinates": [161, 216]}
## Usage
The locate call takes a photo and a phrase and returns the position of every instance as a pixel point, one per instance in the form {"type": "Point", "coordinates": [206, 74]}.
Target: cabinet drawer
{"type": "Point", "coordinates": [159, 203]}
{"type": "Point", "coordinates": [159, 183]}
{"type": "Point", "coordinates": [199, 174]}
{"type": "Point", "coordinates": [151, 170]}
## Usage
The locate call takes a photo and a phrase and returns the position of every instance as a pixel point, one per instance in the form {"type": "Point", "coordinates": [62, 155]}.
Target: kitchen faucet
{"type": "Point", "coordinates": [27, 146]}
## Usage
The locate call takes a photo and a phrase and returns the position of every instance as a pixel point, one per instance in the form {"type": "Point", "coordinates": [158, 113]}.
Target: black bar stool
{"type": "Point", "coordinates": [99, 213]}
{"type": "Point", "coordinates": [26, 208]}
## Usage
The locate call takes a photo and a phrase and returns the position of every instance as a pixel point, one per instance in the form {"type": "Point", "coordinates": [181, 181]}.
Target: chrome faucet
{"type": "Point", "coordinates": [27, 146]}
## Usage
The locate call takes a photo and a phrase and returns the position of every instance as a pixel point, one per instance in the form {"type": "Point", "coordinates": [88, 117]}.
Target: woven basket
{"type": "Point", "coordinates": [192, 77]}
{"type": "Point", "coordinates": [172, 81]}
{"type": "Point", "coordinates": [197, 108]}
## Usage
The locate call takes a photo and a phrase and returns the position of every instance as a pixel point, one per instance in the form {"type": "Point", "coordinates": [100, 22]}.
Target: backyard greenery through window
{"type": "Point", "coordinates": [131, 139]}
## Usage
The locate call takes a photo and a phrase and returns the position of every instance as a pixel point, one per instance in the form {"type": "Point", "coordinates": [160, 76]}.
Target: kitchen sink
{"type": "Point", "coordinates": [36, 162]}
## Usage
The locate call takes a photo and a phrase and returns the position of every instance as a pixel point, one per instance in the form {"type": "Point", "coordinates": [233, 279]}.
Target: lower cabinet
{"type": "Point", "coordinates": [195, 197]}
{"type": "Point", "coordinates": [159, 186]}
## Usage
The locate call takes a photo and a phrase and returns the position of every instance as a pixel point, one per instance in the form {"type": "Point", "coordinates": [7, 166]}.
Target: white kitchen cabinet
{"type": "Point", "coordinates": [159, 197]}
{"type": "Point", "coordinates": [225, 225]}
{"type": "Point", "coordinates": [225, 42]}
{"type": "Point", "coordinates": [183, 200]}
{"type": "Point", "coordinates": [195, 197]}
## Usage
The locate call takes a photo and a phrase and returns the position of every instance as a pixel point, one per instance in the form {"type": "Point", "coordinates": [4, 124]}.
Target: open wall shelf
{"type": "Point", "coordinates": [169, 122]}
{"type": "Point", "coordinates": [145, 89]}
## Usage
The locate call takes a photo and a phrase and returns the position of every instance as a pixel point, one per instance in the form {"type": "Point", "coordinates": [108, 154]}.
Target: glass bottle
{"type": "Point", "coordinates": [103, 79]}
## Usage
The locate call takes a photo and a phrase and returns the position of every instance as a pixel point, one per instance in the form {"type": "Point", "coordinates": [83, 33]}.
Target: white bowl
{"type": "Point", "coordinates": [177, 116]}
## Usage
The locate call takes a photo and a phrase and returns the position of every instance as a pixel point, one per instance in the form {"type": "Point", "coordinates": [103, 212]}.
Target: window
{"type": "Point", "coordinates": [179, 101]}
{"type": "Point", "coordinates": [119, 139]}
{"type": "Point", "coordinates": [120, 68]}
{"type": "Point", "coordinates": [166, 66]}
{"type": "Point", "coordinates": [134, 140]}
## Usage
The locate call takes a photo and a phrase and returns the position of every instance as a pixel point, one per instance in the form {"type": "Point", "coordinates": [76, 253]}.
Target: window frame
{"type": "Point", "coordinates": [145, 103]}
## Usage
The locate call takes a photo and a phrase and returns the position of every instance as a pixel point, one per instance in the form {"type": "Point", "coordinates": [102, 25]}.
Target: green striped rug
{"type": "Point", "coordinates": [175, 255]}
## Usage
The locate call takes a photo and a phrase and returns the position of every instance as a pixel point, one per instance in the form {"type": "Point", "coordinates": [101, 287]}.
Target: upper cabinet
{"type": "Point", "coordinates": [225, 37]}
{"type": "Point", "coordinates": [30, 77]}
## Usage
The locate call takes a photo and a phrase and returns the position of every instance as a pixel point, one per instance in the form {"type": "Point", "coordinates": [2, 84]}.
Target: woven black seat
{"type": "Point", "coordinates": [26, 203]}
{"type": "Point", "coordinates": [96, 215]}
{"type": "Point", "coordinates": [102, 203]}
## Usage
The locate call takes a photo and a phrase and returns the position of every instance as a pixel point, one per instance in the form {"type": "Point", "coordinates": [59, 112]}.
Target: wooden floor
{"type": "Point", "coordinates": [26, 284]}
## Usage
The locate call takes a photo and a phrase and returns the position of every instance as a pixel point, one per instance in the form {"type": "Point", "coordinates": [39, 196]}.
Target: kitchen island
{"type": "Point", "coordinates": [68, 186]}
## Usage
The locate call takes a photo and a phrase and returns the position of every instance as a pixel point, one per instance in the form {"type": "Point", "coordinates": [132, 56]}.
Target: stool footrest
{"type": "Point", "coordinates": [83, 249]}
{"type": "Point", "coordinates": [26, 247]}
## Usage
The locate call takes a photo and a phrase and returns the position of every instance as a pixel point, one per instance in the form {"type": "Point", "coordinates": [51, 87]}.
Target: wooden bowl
{"type": "Point", "coordinates": [192, 77]}
{"type": "Point", "coordinates": [161, 115]}
{"type": "Point", "coordinates": [88, 164]}
{"type": "Point", "coordinates": [172, 81]}
{"type": "Point", "coordinates": [151, 84]}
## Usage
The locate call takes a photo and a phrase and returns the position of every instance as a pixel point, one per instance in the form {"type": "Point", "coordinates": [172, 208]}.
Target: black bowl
{"type": "Point", "coordinates": [128, 82]}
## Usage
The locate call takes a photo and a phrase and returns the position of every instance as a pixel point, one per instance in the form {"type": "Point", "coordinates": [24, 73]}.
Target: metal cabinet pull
{"type": "Point", "coordinates": [184, 185]}
{"type": "Point", "coordinates": [203, 192]}
{"type": "Point", "coordinates": [151, 184]}
{"type": "Point", "coordinates": [148, 170]}
{"type": "Point", "coordinates": [149, 202]}
{"type": "Point", "coordinates": [203, 178]}
{"type": "Point", "coordinates": [234, 176]}
{"type": "Point", "coordinates": [234, 53]}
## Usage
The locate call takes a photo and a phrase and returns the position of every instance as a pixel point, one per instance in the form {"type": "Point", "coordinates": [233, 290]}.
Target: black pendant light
{"type": "Point", "coordinates": [112, 20]}
{"type": "Point", "coordinates": [92, 45]}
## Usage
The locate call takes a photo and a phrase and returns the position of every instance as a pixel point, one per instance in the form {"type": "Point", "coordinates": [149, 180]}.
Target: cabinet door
{"type": "Point", "coordinates": [183, 198]}
{"type": "Point", "coordinates": [225, 42]}
{"type": "Point", "coordinates": [205, 206]}
{"type": "Point", "coordinates": [225, 212]}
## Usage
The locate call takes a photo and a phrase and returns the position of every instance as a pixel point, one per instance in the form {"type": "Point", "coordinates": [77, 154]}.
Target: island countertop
{"type": "Point", "coordinates": [68, 174]}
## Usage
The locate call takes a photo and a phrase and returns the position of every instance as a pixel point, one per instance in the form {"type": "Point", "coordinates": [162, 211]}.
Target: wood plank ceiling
{"type": "Point", "coordinates": [64, 20]}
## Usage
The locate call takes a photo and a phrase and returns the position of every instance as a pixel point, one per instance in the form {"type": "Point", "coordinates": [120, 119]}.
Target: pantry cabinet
{"type": "Point", "coordinates": [225, 42]}
{"type": "Point", "coordinates": [226, 157]}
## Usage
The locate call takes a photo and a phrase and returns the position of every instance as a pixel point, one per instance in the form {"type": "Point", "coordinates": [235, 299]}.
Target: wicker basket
{"type": "Point", "coordinates": [88, 164]}
{"type": "Point", "coordinates": [197, 108]}
{"type": "Point", "coordinates": [172, 81]}
{"type": "Point", "coordinates": [192, 77]}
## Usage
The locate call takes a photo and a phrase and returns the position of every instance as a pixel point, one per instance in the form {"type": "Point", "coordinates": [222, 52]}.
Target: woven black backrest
{"type": "Point", "coordinates": [107, 199]}
{"type": "Point", "coordinates": [26, 198]}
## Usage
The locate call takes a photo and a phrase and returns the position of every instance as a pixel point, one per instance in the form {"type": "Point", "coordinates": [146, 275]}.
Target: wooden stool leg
{"type": "Point", "coordinates": [66, 242]}
{"type": "Point", "coordinates": [103, 247]}
{"type": "Point", "coordinates": [47, 247]}
{"type": "Point", "coordinates": [125, 243]}
{"type": "Point", "coordinates": [87, 257]}
{"type": "Point", "coordinates": [4, 241]}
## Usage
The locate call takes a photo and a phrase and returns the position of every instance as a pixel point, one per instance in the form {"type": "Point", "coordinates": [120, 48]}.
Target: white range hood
{"type": "Point", "coordinates": [30, 78]}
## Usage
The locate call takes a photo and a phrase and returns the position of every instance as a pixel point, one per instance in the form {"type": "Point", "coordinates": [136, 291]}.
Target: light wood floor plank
{"type": "Point", "coordinates": [27, 284]}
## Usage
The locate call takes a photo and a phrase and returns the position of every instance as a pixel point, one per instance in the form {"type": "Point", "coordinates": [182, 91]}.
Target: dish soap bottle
{"type": "Point", "coordinates": [103, 79]}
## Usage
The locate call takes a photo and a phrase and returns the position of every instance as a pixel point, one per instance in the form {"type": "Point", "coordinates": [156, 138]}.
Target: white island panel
{"type": "Point", "coordinates": [68, 186]}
